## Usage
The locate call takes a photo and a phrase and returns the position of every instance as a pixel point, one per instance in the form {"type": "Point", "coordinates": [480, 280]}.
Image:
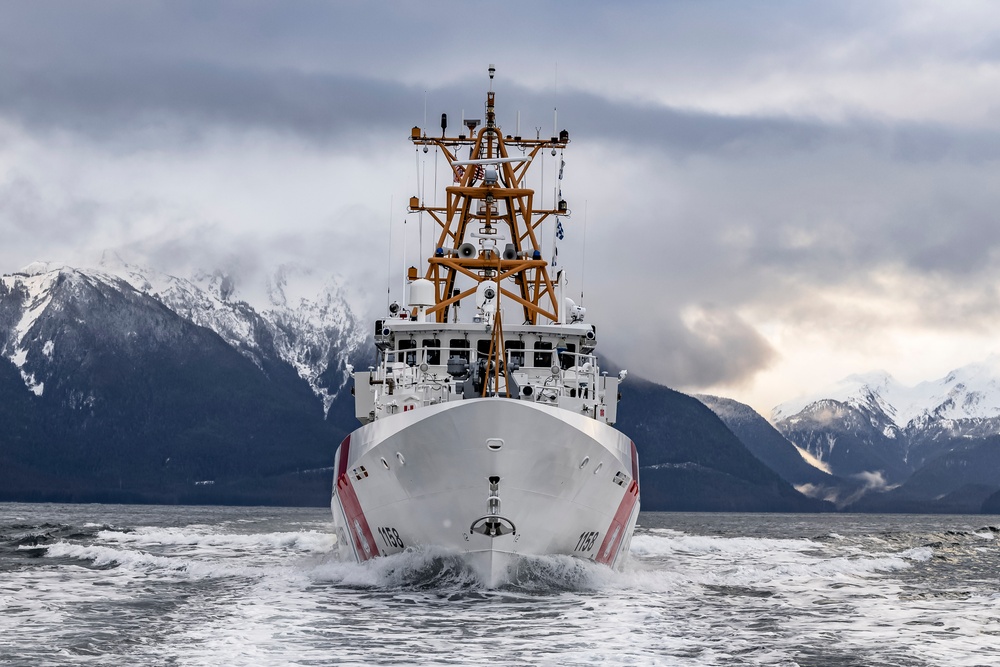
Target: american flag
{"type": "Point", "coordinates": [480, 172]}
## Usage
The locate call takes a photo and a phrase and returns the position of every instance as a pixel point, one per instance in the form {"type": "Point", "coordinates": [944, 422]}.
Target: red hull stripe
{"type": "Point", "coordinates": [616, 531]}
{"type": "Point", "coordinates": [344, 450]}
{"type": "Point", "coordinates": [357, 525]}
{"type": "Point", "coordinates": [635, 462]}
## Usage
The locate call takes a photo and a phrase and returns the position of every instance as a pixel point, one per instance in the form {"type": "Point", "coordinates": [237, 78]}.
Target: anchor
{"type": "Point", "coordinates": [493, 525]}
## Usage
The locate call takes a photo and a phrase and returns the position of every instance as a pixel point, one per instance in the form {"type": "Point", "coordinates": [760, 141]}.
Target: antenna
{"type": "Point", "coordinates": [416, 161]}
{"type": "Point", "coordinates": [388, 268]}
{"type": "Point", "coordinates": [555, 97]}
{"type": "Point", "coordinates": [583, 267]}
{"type": "Point", "coordinates": [541, 173]}
{"type": "Point", "coordinates": [493, 70]}
{"type": "Point", "coordinates": [402, 283]}
{"type": "Point", "coordinates": [420, 219]}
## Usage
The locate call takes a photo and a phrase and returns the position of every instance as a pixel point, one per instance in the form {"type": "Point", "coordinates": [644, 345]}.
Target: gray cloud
{"type": "Point", "coordinates": [402, 37]}
{"type": "Point", "coordinates": [149, 104]}
{"type": "Point", "coordinates": [162, 101]}
{"type": "Point", "coordinates": [717, 346]}
{"type": "Point", "coordinates": [321, 70]}
{"type": "Point", "coordinates": [29, 214]}
{"type": "Point", "coordinates": [706, 215]}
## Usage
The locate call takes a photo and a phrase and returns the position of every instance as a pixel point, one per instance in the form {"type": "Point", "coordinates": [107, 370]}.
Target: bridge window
{"type": "Point", "coordinates": [407, 352]}
{"type": "Point", "coordinates": [567, 359]}
{"type": "Point", "coordinates": [515, 352]}
{"type": "Point", "coordinates": [433, 351]}
{"type": "Point", "coordinates": [543, 354]}
{"type": "Point", "coordinates": [459, 348]}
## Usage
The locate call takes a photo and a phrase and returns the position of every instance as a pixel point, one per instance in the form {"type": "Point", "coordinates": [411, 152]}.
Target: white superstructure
{"type": "Point", "coordinates": [489, 439]}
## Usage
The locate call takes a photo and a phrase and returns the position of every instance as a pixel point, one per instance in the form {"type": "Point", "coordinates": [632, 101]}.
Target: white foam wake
{"type": "Point", "coordinates": [202, 595]}
{"type": "Point", "coordinates": [307, 541]}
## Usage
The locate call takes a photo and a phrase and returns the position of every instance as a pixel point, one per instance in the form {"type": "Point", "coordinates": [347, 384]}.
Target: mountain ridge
{"type": "Point", "coordinates": [780, 454]}
{"type": "Point", "coordinates": [123, 384]}
{"type": "Point", "coordinates": [314, 336]}
{"type": "Point", "coordinates": [872, 425]}
{"type": "Point", "coordinates": [691, 461]}
{"type": "Point", "coordinates": [128, 401]}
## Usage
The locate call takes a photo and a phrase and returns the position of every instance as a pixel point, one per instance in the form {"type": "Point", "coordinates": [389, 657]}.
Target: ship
{"type": "Point", "coordinates": [487, 423]}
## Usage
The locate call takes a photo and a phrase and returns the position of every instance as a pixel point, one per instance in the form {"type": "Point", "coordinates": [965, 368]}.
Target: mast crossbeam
{"type": "Point", "coordinates": [489, 204]}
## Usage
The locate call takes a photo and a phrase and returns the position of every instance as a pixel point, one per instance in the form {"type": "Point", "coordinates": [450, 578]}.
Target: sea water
{"type": "Point", "coordinates": [135, 585]}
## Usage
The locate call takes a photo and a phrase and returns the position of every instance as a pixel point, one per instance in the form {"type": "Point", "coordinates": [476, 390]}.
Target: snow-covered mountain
{"type": "Point", "coordinates": [873, 424]}
{"type": "Point", "coordinates": [119, 384]}
{"type": "Point", "coordinates": [313, 334]}
{"type": "Point", "coordinates": [779, 454]}
{"type": "Point", "coordinates": [970, 392]}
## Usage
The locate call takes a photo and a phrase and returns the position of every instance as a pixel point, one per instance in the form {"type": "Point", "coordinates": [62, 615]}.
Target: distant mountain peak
{"type": "Point", "coordinates": [858, 389]}
{"type": "Point", "coordinates": [969, 392]}
{"type": "Point", "coordinates": [872, 422]}
{"type": "Point", "coordinates": [38, 268]}
{"type": "Point", "coordinates": [312, 334]}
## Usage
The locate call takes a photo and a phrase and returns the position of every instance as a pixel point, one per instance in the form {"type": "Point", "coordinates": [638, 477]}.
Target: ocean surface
{"type": "Point", "coordinates": [139, 585]}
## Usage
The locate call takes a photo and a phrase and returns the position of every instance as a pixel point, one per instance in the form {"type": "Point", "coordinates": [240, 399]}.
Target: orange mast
{"type": "Point", "coordinates": [488, 197]}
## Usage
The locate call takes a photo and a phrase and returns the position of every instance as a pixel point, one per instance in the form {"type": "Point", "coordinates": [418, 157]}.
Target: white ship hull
{"type": "Point", "coordinates": [562, 483]}
{"type": "Point", "coordinates": [488, 424]}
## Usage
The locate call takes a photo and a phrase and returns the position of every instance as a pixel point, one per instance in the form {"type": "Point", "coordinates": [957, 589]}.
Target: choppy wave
{"type": "Point", "coordinates": [309, 541]}
{"type": "Point", "coordinates": [416, 569]}
{"type": "Point", "coordinates": [249, 591]}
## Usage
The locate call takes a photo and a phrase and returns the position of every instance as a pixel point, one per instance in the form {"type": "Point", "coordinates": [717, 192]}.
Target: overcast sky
{"type": "Point", "coordinates": [774, 194]}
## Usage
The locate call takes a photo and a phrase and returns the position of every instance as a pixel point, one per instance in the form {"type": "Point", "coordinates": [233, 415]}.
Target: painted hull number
{"type": "Point", "coordinates": [391, 537]}
{"type": "Point", "coordinates": [586, 541]}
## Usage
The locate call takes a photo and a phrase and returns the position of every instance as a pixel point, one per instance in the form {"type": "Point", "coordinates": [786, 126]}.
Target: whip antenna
{"type": "Point", "coordinates": [583, 268]}
{"type": "Point", "coordinates": [388, 254]}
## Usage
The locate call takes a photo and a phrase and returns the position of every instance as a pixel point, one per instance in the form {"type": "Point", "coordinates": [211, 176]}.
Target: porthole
{"type": "Point", "coordinates": [598, 468]}
{"type": "Point", "coordinates": [494, 444]}
{"type": "Point", "coordinates": [384, 462]}
{"type": "Point", "coordinates": [584, 462]}
{"type": "Point", "coordinates": [399, 457]}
